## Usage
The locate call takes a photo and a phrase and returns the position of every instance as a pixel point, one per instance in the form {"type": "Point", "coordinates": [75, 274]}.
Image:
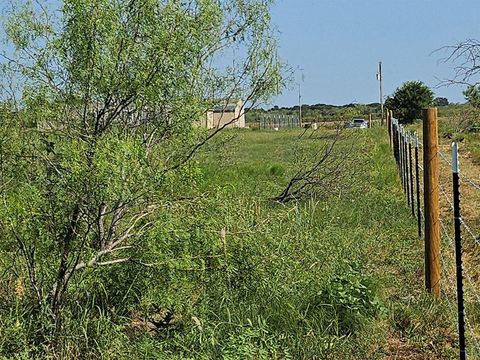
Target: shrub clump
{"type": "Point", "coordinates": [348, 301]}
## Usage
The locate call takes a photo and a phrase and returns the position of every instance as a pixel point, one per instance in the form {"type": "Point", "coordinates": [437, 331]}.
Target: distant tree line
{"type": "Point", "coordinates": [407, 102]}
{"type": "Point", "coordinates": [319, 112]}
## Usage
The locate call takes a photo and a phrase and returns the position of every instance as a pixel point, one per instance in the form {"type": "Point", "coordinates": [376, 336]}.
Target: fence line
{"type": "Point", "coordinates": [444, 210]}
{"type": "Point", "coordinates": [271, 121]}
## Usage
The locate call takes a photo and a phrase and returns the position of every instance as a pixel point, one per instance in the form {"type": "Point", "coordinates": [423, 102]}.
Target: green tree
{"type": "Point", "coordinates": [440, 101]}
{"type": "Point", "coordinates": [409, 99]}
{"type": "Point", "coordinates": [472, 94]}
{"type": "Point", "coordinates": [102, 126]}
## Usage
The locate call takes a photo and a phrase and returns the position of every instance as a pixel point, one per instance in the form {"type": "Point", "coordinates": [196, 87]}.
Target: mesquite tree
{"type": "Point", "coordinates": [101, 107]}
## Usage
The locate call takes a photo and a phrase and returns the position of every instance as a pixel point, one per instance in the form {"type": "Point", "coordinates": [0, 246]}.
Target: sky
{"type": "Point", "coordinates": [338, 44]}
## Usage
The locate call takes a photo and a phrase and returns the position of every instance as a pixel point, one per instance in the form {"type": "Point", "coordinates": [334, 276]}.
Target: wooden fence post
{"type": "Point", "coordinates": [431, 199]}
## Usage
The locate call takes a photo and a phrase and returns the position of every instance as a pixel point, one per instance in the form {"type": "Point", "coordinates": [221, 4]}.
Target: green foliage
{"type": "Point", "coordinates": [349, 299]}
{"type": "Point", "coordinates": [440, 101]}
{"type": "Point", "coordinates": [242, 278]}
{"type": "Point", "coordinates": [319, 112]}
{"type": "Point", "coordinates": [253, 341]}
{"type": "Point", "coordinates": [408, 101]}
{"type": "Point", "coordinates": [115, 243]}
{"type": "Point", "coordinates": [472, 94]}
{"type": "Point", "coordinates": [96, 157]}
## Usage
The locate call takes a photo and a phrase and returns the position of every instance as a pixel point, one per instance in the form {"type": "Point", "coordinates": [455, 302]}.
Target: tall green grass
{"type": "Point", "coordinates": [338, 277]}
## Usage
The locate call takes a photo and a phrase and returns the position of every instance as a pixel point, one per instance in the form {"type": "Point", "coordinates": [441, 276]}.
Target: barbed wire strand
{"type": "Point", "coordinates": [461, 176]}
{"type": "Point", "coordinates": [449, 238]}
{"type": "Point", "coordinates": [444, 262]}
{"type": "Point", "coordinates": [445, 267]}
{"type": "Point", "coordinates": [466, 226]}
{"type": "Point", "coordinates": [470, 281]}
{"type": "Point", "coordinates": [470, 181]}
{"type": "Point", "coordinates": [467, 276]}
{"type": "Point", "coordinates": [451, 306]}
{"type": "Point", "coordinates": [446, 197]}
{"type": "Point", "coordinates": [476, 238]}
{"type": "Point", "coordinates": [444, 158]}
{"type": "Point", "coordinates": [464, 268]}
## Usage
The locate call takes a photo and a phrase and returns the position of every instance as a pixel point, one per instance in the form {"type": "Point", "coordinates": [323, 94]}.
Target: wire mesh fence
{"type": "Point", "coordinates": [458, 222]}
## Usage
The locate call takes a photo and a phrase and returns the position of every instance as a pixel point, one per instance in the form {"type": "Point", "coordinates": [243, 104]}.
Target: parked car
{"type": "Point", "coordinates": [358, 123]}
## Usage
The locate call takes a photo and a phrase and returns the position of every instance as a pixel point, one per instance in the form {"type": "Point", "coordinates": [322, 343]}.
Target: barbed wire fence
{"type": "Point", "coordinates": [272, 121]}
{"type": "Point", "coordinates": [451, 272]}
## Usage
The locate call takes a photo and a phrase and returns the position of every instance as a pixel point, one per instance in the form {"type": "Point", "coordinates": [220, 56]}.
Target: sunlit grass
{"type": "Point", "coordinates": [338, 276]}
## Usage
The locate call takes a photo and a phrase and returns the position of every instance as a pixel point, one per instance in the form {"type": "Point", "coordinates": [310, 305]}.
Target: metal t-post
{"type": "Point", "coordinates": [458, 252]}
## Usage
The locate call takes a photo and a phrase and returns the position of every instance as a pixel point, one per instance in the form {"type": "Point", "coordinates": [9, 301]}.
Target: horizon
{"type": "Point", "coordinates": [270, 107]}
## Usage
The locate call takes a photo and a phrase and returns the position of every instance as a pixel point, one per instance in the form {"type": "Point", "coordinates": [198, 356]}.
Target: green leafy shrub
{"type": "Point", "coordinates": [349, 299]}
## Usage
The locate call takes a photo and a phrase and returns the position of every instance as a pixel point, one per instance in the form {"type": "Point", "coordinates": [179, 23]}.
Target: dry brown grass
{"type": "Point", "coordinates": [399, 348]}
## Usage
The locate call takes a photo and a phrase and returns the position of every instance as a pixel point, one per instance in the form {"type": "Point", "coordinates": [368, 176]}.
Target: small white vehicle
{"type": "Point", "coordinates": [359, 123]}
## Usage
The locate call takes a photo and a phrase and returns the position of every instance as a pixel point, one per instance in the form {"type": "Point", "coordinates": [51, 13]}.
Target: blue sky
{"type": "Point", "coordinates": [339, 43]}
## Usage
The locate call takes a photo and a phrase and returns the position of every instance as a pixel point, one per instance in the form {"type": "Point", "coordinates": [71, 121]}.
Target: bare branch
{"type": "Point", "coordinates": [466, 57]}
{"type": "Point", "coordinates": [328, 172]}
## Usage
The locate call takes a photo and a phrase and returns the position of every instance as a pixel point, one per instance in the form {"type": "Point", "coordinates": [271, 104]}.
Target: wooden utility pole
{"type": "Point", "coordinates": [431, 199]}
{"type": "Point", "coordinates": [369, 120]}
{"type": "Point", "coordinates": [380, 79]}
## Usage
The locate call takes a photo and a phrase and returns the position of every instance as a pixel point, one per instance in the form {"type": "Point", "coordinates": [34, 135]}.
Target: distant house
{"type": "Point", "coordinates": [230, 114]}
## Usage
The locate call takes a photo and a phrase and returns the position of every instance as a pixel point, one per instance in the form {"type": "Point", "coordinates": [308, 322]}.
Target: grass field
{"type": "Point", "coordinates": [345, 275]}
{"type": "Point", "coordinates": [336, 276]}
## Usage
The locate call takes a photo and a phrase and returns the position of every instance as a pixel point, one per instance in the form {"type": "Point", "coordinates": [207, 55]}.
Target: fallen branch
{"type": "Point", "coordinates": [327, 173]}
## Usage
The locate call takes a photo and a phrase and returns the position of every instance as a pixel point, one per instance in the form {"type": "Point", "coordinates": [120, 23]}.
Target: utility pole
{"type": "Point", "coordinates": [380, 79]}
{"type": "Point", "coordinates": [299, 104]}
{"type": "Point", "coordinates": [300, 97]}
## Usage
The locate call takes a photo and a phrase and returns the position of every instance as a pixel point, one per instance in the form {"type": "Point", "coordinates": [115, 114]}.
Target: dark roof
{"type": "Point", "coordinates": [225, 108]}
